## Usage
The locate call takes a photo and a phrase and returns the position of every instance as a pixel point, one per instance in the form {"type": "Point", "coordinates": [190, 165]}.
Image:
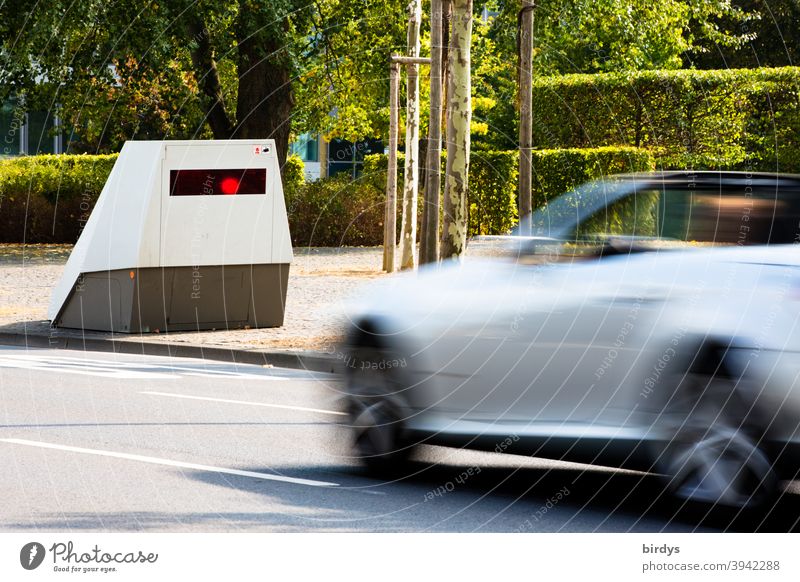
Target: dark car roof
{"type": "Point", "coordinates": [711, 178]}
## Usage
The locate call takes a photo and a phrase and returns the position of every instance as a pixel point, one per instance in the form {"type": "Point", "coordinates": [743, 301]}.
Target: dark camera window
{"type": "Point", "coordinates": [217, 182]}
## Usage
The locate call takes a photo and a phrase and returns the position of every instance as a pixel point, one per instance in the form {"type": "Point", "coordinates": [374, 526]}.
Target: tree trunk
{"type": "Point", "coordinates": [207, 76]}
{"type": "Point", "coordinates": [447, 20]}
{"type": "Point", "coordinates": [429, 237]}
{"type": "Point", "coordinates": [408, 232]}
{"type": "Point", "coordinates": [265, 99]}
{"type": "Point", "coordinates": [459, 104]}
{"type": "Point", "coordinates": [525, 41]}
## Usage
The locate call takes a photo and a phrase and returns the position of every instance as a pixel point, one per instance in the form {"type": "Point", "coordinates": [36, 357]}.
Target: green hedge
{"type": "Point", "coordinates": [728, 119]}
{"type": "Point", "coordinates": [492, 187]}
{"type": "Point", "coordinates": [558, 171]}
{"type": "Point", "coordinates": [336, 212]}
{"type": "Point", "coordinates": [48, 199]}
{"type": "Point", "coordinates": [493, 179]}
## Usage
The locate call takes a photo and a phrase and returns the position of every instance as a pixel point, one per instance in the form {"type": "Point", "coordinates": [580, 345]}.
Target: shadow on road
{"type": "Point", "coordinates": [624, 497]}
{"type": "Point", "coordinates": [509, 499]}
{"type": "Point", "coordinates": [487, 499]}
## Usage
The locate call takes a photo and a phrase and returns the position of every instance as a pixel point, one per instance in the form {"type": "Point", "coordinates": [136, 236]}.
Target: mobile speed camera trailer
{"type": "Point", "coordinates": [186, 235]}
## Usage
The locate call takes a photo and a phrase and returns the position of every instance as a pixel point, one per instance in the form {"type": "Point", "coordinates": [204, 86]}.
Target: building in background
{"type": "Point", "coordinates": [348, 157]}
{"type": "Point", "coordinates": [322, 158]}
{"type": "Point", "coordinates": [311, 149]}
{"type": "Point", "coordinates": [34, 132]}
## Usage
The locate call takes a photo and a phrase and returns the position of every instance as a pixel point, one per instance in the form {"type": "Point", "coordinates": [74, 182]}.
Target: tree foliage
{"type": "Point", "coordinates": [595, 36]}
{"type": "Point", "coordinates": [197, 68]}
{"type": "Point", "coordinates": [773, 29]}
{"type": "Point", "coordinates": [143, 69]}
{"type": "Point", "coordinates": [590, 36]}
{"type": "Point", "coordinates": [343, 88]}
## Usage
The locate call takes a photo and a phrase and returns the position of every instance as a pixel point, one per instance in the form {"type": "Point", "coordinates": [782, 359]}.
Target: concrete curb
{"type": "Point", "coordinates": [307, 360]}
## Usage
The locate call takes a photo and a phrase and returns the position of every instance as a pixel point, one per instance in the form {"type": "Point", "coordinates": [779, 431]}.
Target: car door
{"type": "Point", "coordinates": [577, 332]}
{"type": "Point", "coordinates": [532, 354]}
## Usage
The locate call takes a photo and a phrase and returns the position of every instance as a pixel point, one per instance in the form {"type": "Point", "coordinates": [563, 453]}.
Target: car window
{"type": "Point", "coordinates": [698, 217]}
{"type": "Point", "coordinates": [636, 215]}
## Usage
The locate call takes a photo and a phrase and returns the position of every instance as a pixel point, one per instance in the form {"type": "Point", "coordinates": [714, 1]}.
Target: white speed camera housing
{"type": "Point", "coordinates": [186, 235]}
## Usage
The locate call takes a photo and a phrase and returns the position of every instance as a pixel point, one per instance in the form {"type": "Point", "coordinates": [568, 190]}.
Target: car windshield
{"type": "Point", "coordinates": [560, 216]}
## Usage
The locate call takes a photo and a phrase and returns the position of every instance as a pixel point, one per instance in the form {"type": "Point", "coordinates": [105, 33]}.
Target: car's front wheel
{"type": "Point", "coordinates": [377, 409]}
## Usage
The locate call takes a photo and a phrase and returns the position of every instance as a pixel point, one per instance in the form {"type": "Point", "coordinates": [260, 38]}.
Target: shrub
{"type": "Point", "coordinates": [48, 198]}
{"type": "Point", "coordinates": [494, 179]}
{"type": "Point", "coordinates": [293, 175]}
{"type": "Point", "coordinates": [558, 171]}
{"type": "Point", "coordinates": [336, 212]}
{"type": "Point", "coordinates": [728, 119]}
{"type": "Point", "coordinates": [492, 187]}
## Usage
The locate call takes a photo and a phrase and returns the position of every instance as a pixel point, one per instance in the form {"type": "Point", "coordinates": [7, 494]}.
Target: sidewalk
{"type": "Point", "coordinates": [319, 280]}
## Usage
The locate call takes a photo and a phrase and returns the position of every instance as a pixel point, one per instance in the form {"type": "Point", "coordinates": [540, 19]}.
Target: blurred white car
{"type": "Point", "coordinates": [682, 362]}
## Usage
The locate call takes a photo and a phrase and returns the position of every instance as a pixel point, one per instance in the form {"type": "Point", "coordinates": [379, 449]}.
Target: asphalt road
{"type": "Point", "coordinates": [113, 442]}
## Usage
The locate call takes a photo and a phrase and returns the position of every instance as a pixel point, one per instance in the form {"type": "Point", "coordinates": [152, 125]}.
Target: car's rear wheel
{"type": "Point", "coordinates": [377, 409]}
{"type": "Point", "coordinates": [712, 453]}
{"type": "Point", "coordinates": [719, 465]}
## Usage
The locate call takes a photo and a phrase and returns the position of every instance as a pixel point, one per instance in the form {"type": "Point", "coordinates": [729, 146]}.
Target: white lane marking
{"type": "Point", "coordinates": [283, 406]}
{"type": "Point", "coordinates": [169, 463]}
{"type": "Point", "coordinates": [124, 369]}
{"type": "Point", "coordinates": [81, 369]}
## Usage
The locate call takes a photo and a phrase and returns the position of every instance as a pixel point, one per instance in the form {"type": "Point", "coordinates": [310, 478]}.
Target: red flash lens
{"type": "Point", "coordinates": [229, 185]}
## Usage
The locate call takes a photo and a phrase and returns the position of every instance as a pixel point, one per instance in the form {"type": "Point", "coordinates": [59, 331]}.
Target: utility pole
{"type": "Point", "coordinates": [525, 42]}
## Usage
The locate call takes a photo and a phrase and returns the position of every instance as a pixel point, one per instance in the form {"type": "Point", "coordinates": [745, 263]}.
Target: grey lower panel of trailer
{"type": "Point", "coordinates": [177, 299]}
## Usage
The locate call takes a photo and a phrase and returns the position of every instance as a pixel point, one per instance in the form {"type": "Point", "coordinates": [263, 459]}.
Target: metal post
{"type": "Point", "coordinates": [525, 114]}
{"type": "Point", "coordinates": [390, 219]}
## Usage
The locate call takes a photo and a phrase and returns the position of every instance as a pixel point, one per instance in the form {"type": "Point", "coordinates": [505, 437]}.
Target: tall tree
{"type": "Point", "coordinates": [429, 236]}
{"type": "Point", "coordinates": [772, 39]}
{"type": "Point", "coordinates": [591, 36]}
{"type": "Point", "coordinates": [342, 89]}
{"type": "Point", "coordinates": [110, 68]}
{"type": "Point", "coordinates": [408, 230]}
{"type": "Point", "coordinates": [201, 68]}
{"type": "Point", "coordinates": [459, 117]}
{"type": "Point", "coordinates": [588, 36]}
